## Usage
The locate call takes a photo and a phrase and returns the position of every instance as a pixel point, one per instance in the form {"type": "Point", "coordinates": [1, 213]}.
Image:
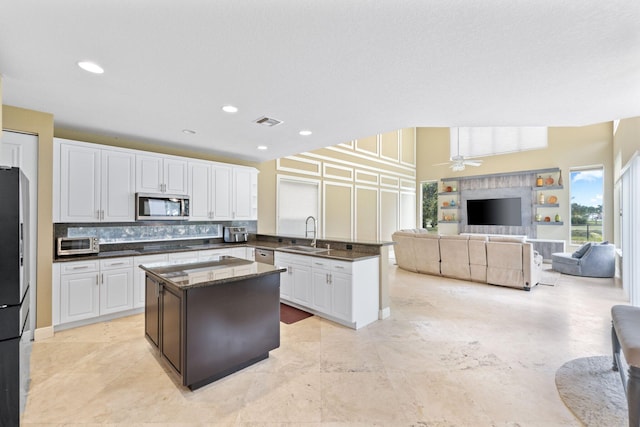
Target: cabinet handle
{"type": "Point", "coordinates": [117, 263]}
{"type": "Point", "coordinates": [339, 267]}
{"type": "Point", "coordinates": [80, 267]}
{"type": "Point", "coordinates": [98, 214]}
{"type": "Point", "coordinates": [290, 270]}
{"type": "Point", "coordinates": [102, 278]}
{"type": "Point", "coordinates": [97, 279]}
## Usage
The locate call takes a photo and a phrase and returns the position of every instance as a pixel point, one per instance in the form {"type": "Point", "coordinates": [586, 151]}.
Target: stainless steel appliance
{"type": "Point", "coordinates": [14, 294]}
{"type": "Point", "coordinates": [77, 246]}
{"type": "Point", "coordinates": [161, 206]}
{"type": "Point", "coordinates": [235, 234]}
{"type": "Point", "coordinates": [264, 256]}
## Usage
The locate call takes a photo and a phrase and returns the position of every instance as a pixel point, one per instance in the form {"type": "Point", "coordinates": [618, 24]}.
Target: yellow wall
{"type": "Point", "coordinates": [569, 147]}
{"type": "Point", "coordinates": [40, 124]}
{"type": "Point", "coordinates": [626, 142]}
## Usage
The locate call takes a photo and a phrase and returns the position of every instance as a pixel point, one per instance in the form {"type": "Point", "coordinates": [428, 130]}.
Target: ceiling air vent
{"type": "Point", "coordinates": [268, 121]}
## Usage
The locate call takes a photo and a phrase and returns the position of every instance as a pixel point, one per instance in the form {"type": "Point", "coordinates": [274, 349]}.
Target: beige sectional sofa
{"type": "Point", "coordinates": [497, 260]}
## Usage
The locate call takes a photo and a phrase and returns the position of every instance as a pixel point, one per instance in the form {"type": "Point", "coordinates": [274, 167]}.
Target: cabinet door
{"type": "Point", "coordinates": [79, 184]}
{"type": "Point", "coordinates": [321, 290]}
{"type": "Point", "coordinates": [149, 171]}
{"type": "Point", "coordinates": [200, 192]}
{"type": "Point", "coordinates": [302, 284]}
{"type": "Point", "coordinates": [243, 202]}
{"type": "Point", "coordinates": [212, 254]}
{"type": "Point", "coordinates": [176, 175]}
{"type": "Point", "coordinates": [239, 252]}
{"type": "Point", "coordinates": [341, 296]}
{"type": "Point", "coordinates": [79, 296]}
{"type": "Point", "coordinates": [139, 276]}
{"type": "Point", "coordinates": [286, 278]}
{"type": "Point", "coordinates": [152, 310]}
{"type": "Point", "coordinates": [221, 193]}
{"type": "Point", "coordinates": [170, 327]}
{"type": "Point", "coordinates": [118, 186]}
{"type": "Point", "coordinates": [116, 290]}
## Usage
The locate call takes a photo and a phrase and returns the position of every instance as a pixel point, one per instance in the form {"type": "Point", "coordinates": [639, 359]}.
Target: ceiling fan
{"type": "Point", "coordinates": [458, 162]}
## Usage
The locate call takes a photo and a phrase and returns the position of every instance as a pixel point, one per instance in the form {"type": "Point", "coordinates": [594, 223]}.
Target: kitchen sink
{"type": "Point", "coordinates": [309, 249]}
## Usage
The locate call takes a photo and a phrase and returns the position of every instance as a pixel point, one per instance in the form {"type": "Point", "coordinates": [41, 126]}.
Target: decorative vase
{"type": "Point", "coordinates": [560, 178]}
{"type": "Point", "coordinates": [549, 180]}
{"type": "Point", "coordinates": [557, 218]}
{"type": "Point", "coordinates": [538, 217]}
{"type": "Point", "coordinates": [541, 199]}
{"type": "Point", "coordinates": [539, 181]}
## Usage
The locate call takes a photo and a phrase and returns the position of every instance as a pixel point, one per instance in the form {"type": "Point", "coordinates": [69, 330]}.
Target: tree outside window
{"type": "Point", "coordinates": [586, 205]}
{"type": "Point", "coordinates": [430, 206]}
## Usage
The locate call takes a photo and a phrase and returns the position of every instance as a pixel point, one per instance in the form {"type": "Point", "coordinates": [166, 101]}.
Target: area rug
{"type": "Point", "coordinates": [593, 391]}
{"type": "Point", "coordinates": [291, 315]}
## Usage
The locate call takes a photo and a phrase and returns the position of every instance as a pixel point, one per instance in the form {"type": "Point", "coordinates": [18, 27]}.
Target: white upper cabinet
{"type": "Point", "coordinates": [222, 192]}
{"type": "Point", "coordinates": [201, 192]}
{"type": "Point", "coordinates": [95, 184]}
{"type": "Point", "coordinates": [222, 179]}
{"type": "Point", "coordinates": [161, 174]}
{"type": "Point", "coordinates": [245, 194]}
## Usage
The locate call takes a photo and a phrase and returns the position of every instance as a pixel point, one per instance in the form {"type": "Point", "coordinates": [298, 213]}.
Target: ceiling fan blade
{"type": "Point", "coordinates": [440, 164]}
{"type": "Point", "coordinates": [473, 162]}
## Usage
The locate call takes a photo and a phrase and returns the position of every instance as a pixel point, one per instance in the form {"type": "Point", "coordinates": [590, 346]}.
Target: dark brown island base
{"type": "Point", "coordinates": [210, 319]}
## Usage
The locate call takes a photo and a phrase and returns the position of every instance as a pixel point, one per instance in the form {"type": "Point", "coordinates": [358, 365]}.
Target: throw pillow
{"type": "Point", "coordinates": [581, 251]}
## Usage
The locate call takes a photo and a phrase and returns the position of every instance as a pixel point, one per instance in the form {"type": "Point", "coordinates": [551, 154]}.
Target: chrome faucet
{"type": "Point", "coordinates": [315, 228]}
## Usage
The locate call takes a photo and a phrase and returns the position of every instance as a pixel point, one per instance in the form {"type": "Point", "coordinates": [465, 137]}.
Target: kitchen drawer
{"type": "Point", "coordinates": [341, 266]}
{"type": "Point", "coordinates": [79, 267]}
{"type": "Point", "coordinates": [115, 263]}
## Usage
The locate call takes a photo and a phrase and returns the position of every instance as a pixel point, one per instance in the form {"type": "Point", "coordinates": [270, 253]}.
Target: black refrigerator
{"type": "Point", "coordinates": [14, 294]}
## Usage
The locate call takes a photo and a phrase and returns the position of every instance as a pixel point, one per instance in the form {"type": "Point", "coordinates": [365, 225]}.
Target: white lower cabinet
{"type": "Point", "coordinates": [139, 276]}
{"type": "Point", "coordinates": [89, 289]}
{"type": "Point", "coordinates": [344, 291]}
{"type": "Point", "coordinates": [295, 283]}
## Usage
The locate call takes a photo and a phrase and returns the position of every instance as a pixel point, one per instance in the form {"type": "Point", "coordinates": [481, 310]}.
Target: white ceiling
{"type": "Point", "coordinates": [342, 69]}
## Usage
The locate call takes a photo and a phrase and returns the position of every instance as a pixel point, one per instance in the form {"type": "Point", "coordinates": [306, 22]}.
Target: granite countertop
{"type": "Point", "coordinates": [201, 274]}
{"type": "Point", "coordinates": [341, 250]}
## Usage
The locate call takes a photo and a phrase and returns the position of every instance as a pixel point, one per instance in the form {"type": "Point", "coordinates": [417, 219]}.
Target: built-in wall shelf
{"type": "Point", "coordinates": [448, 222]}
{"type": "Point", "coordinates": [548, 187]}
{"type": "Point", "coordinates": [549, 222]}
{"type": "Point", "coordinates": [450, 208]}
{"type": "Point", "coordinates": [547, 205]}
{"type": "Point", "coordinates": [447, 193]}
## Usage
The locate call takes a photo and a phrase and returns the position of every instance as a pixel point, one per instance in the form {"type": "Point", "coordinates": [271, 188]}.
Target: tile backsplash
{"type": "Point", "coordinates": [146, 233]}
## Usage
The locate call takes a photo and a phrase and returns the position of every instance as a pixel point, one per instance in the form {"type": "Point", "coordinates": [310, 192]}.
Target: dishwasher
{"type": "Point", "coordinates": [264, 256]}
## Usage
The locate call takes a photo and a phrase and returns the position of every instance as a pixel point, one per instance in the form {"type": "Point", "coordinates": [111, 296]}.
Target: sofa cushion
{"type": "Point", "coordinates": [579, 253]}
{"type": "Point", "coordinates": [427, 253]}
{"type": "Point", "coordinates": [454, 257]}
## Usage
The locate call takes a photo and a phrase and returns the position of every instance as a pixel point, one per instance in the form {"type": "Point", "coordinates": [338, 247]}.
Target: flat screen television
{"type": "Point", "coordinates": [505, 211]}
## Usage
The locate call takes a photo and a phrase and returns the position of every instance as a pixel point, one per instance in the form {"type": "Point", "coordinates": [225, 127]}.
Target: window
{"type": "Point", "coordinates": [487, 141]}
{"type": "Point", "coordinates": [297, 200]}
{"type": "Point", "coordinates": [586, 205]}
{"type": "Point", "coordinates": [430, 206]}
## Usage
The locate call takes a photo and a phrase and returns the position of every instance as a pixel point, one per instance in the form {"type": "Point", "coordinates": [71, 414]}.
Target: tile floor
{"type": "Point", "coordinates": [452, 353]}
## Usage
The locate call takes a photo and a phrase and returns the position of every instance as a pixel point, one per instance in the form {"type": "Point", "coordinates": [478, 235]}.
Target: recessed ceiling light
{"type": "Point", "coordinates": [230, 109]}
{"type": "Point", "coordinates": [305, 132]}
{"type": "Point", "coordinates": [189, 131]}
{"type": "Point", "coordinates": [262, 147]}
{"type": "Point", "coordinates": [91, 67]}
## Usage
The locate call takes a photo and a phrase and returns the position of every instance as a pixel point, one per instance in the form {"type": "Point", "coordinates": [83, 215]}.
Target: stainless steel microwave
{"type": "Point", "coordinates": [77, 245]}
{"type": "Point", "coordinates": [161, 206]}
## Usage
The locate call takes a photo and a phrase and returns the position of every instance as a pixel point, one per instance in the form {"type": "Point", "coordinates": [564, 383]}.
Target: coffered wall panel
{"type": "Point", "coordinates": [352, 176]}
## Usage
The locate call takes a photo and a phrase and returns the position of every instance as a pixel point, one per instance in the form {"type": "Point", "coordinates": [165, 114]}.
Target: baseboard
{"type": "Point", "coordinates": [384, 313]}
{"type": "Point", "coordinates": [43, 333]}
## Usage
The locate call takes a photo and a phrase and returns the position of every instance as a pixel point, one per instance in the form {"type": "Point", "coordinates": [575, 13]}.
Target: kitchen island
{"type": "Point", "coordinates": [210, 319]}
